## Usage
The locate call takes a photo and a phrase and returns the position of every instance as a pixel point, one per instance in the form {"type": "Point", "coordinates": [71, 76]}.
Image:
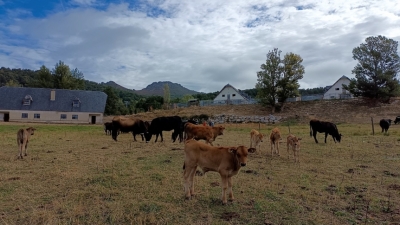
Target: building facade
{"type": "Point", "coordinates": [229, 94]}
{"type": "Point", "coordinates": [336, 91]}
{"type": "Point", "coordinates": [51, 105]}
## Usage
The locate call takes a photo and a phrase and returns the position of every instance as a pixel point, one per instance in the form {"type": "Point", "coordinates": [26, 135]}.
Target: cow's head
{"type": "Point", "coordinates": [389, 121]}
{"type": "Point", "coordinates": [221, 130]}
{"type": "Point", "coordinates": [31, 130]}
{"type": "Point", "coordinates": [241, 153]}
{"type": "Point", "coordinates": [296, 143]}
{"type": "Point", "coordinates": [114, 134]}
{"type": "Point", "coordinates": [338, 137]}
{"type": "Point", "coordinates": [147, 136]}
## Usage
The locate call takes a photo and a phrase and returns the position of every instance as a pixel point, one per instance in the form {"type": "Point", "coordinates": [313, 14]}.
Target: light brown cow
{"type": "Point", "coordinates": [275, 137]}
{"type": "Point", "coordinates": [227, 161]}
{"type": "Point", "coordinates": [255, 139]}
{"type": "Point", "coordinates": [200, 132]}
{"type": "Point", "coordinates": [23, 136]}
{"type": "Point", "coordinates": [294, 143]}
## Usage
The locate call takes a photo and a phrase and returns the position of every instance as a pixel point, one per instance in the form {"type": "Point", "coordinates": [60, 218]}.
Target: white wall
{"type": "Point", "coordinates": [234, 95]}
{"type": "Point", "coordinates": [55, 117]}
{"type": "Point", "coordinates": [336, 90]}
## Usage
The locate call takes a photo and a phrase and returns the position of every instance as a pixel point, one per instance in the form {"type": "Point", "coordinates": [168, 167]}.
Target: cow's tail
{"type": "Point", "coordinates": [183, 166]}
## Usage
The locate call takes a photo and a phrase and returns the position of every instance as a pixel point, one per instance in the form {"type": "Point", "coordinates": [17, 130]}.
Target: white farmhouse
{"type": "Point", "coordinates": [336, 91]}
{"type": "Point", "coordinates": [229, 94]}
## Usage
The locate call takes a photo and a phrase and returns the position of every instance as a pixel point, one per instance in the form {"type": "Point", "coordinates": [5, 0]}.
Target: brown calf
{"type": "Point", "coordinates": [227, 161]}
{"type": "Point", "coordinates": [255, 139]}
{"type": "Point", "coordinates": [294, 143]}
{"type": "Point", "coordinates": [23, 136]}
{"type": "Point", "coordinates": [198, 132]}
{"type": "Point", "coordinates": [275, 137]}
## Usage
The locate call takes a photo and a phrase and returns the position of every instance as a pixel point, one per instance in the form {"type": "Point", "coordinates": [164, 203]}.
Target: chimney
{"type": "Point", "coordinates": [53, 95]}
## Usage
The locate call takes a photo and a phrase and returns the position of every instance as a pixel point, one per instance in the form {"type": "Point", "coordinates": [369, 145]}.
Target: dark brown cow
{"type": "Point", "coordinates": [275, 137]}
{"type": "Point", "coordinates": [201, 132]}
{"type": "Point", "coordinates": [324, 127]}
{"type": "Point", "coordinates": [23, 136]}
{"type": "Point", "coordinates": [126, 124]}
{"type": "Point", "coordinates": [108, 127]}
{"type": "Point", "coordinates": [227, 161]}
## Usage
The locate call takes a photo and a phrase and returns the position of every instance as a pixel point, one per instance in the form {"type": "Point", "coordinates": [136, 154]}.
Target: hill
{"type": "Point", "coordinates": [157, 88]}
{"type": "Point", "coordinates": [337, 111]}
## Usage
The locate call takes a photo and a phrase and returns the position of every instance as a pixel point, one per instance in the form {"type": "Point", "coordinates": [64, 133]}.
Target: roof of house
{"type": "Point", "coordinates": [11, 98]}
{"type": "Point", "coordinates": [239, 92]}
{"type": "Point", "coordinates": [327, 88]}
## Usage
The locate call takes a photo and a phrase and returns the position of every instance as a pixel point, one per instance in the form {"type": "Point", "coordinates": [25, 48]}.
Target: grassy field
{"type": "Point", "coordinates": [75, 174]}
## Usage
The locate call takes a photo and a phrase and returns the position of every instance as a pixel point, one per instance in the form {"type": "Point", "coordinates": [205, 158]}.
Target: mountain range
{"type": "Point", "coordinates": [157, 88]}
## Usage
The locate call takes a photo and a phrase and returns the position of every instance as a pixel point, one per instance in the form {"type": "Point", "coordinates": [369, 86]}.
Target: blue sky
{"type": "Point", "coordinates": [200, 44]}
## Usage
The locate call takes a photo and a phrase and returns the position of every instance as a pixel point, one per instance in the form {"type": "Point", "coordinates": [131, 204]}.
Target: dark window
{"type": "Point", "coordinates": [223, 95]}
{"type": "Point", "coordinates": [74, 117]}
{"type": "Point", "coordinates": [27, 100]}
{"type": "Point", "coordinates": [24, 115]}
{"type": "Point", "coordinates": [233, 95]}
{"type": "Point", "coordinates": [36, 116]}
{"type": "Point", "coordinates": [76, 103]}
{"type": "Point", "coordinates": [63, 116]}
{"type": "Point", "coordinates": [337, 89]}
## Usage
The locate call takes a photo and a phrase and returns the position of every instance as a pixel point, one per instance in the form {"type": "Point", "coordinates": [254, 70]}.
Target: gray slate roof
{"type": "Point", "coordinates": [11, 98]}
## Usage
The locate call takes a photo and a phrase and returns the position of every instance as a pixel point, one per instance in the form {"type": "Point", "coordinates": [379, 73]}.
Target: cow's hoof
{"type": "Point", "coordinates": [26, 154]}
{"type": "Point", "coordinates": [188, 198]}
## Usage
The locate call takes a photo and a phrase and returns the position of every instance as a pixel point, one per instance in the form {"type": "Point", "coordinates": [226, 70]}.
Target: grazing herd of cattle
{"type": "Point", "coordinates": [227, 161]}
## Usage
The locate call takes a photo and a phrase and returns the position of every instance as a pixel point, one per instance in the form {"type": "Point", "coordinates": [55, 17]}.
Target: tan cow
{"type": "Point", "coordinates": [294, 143]}
{"type": "Point", "coordinates": [23, 136]}
{"type": "Point", "coordinates": [200, 132]}
{"type": "Point", "coordinates": [227, 161]}
{"type": "Point", "coordinates": [255, 139]}
{"type": "Point", "coordinates": [274, 138]}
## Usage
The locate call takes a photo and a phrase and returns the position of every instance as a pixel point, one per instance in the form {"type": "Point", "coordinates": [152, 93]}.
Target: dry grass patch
{"type": "Point", "coordinates": [75, 174]}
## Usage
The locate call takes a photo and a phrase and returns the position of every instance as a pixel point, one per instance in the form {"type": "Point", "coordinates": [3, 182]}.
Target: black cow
{"type": "Point", "coordinates": [324, 127]}
{"type": "Point", "coordinates": [385, 124]}
{"type": "Point", "coordinates": [165, 123]}
{"type": "Point", "coordinates": [397, 120]}
{"type": "Point", "coordinates": [108, 128]}
{"type": "Point", "coordinates": [125, 124]}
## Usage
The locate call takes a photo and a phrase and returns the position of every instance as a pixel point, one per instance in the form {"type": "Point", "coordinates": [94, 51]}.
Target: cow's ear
{"type": "Point", "coordinates": [299, 139]}
{"type": "Point", "coordinates": [251, 150]}
{"type": "Point", "coordinates": [233, 150]}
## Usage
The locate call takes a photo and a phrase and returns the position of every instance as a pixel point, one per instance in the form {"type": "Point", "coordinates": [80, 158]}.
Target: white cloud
{"type": "Point", "coordinates": [202, 45]}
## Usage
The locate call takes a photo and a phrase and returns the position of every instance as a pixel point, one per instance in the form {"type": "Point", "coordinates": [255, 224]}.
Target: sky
{"type": "Point", "coordinates": [201, 44]}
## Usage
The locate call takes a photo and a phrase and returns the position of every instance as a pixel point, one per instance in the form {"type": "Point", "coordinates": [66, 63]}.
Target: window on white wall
{"type": "Point", "coordinates": [74, 117]}
{"type": "Point", "coordinates": [223, 95]}
{"type": "Point", "coordinates": [24, 115]}
{"type": "Point", "coordinates": [63, 116]}
{"type": "Point", "coordinates": [337, 89]}
{"type": "Point", "coordinates": [233, 95]}
{"type": "Point", "coordinates": [36, 116]}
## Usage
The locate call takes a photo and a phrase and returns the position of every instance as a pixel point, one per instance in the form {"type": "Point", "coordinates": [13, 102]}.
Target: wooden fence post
{"type": "Point", "coordinates": [372, 122]}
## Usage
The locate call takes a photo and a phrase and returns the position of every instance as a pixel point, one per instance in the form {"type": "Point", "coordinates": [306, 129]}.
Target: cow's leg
{"type": "Point", "coordinates": [230, 192]}
{"type": "Point", "coordinates": [19, 150]}
{"type": "Point", "coordinates": [142, 136]}
{"type": "Point", "coordinates": [326, 135]}
{"type": "Point", "coordinates": [287, 146]}
{"type": "Point", "coordinates": [26, 148]}
{"type": "Point", "coordinates": [180, 137]}
{"type": "Point", "coordinates": [224, 180]}
{"type": "Point", "coordinates": [315, 136]}
{"type": "Point", "coordinates": [189, 180]}
{"type": "Point", "coordinates": [272, 148]}
{"type": "Point", "coordinates": [134, 136]}
{"type": "Point", "coordinates": [277, 147]}
{"type": "Point", "coordinates": [156, 137]}
{"type": "Point", "coordinates": [162, 139]}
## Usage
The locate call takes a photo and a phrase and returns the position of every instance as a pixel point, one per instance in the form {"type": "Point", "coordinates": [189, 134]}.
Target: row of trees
{"type": "Point", "coordinates": [375, 73]}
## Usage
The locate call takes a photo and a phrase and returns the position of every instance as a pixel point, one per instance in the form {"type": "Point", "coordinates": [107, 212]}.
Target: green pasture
{"type": "Point", "coordinates": [75, 174]}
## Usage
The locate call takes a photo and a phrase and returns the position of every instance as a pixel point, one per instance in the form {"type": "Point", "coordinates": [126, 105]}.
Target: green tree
{"type": "Point", "coordinates": [376, 70]}
{"type": "Point", "coordinates": [186, 98]}
{"type": "Point", "coordinates": [44, 78]}
{"type": "Point", "coordinates": [167, 96]}
{"type": "Point", "coordinates": [12, 83]}
{"type": "Point", "coordinates": [64, 78]}
{"type": "Point", "coordinates": [278, 79]}
{"type": "Point", "coordinates": [111, 103]}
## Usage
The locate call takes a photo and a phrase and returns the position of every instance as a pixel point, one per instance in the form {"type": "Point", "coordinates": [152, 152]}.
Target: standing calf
{"type": "Point", "coordinates": [255, 139]}
{"type": "Point", "coordinates": [294, 143]}
{"type": "Point", "coordinates": [275, 137]}
{"type": "Point", "coordinates": [23, 136]}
